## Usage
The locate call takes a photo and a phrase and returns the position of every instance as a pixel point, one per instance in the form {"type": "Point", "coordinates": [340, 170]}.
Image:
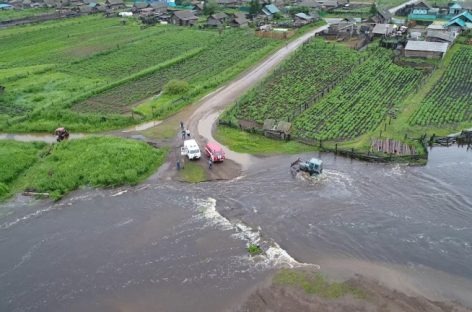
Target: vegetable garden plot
{"type": "Point", "coordinates": [359, 103]}
{"type": "Point", "coordinates": [202, 68]}
{"type": "Point", "coordinates": [450, 99]}
{"type": "Point", "coordinates": [305, 75]}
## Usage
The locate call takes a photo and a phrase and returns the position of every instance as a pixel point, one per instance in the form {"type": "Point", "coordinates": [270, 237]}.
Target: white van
{"type": "Point", "coordinates": [191, 149]}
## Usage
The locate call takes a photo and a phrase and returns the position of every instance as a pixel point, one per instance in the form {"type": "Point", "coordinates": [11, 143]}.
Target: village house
{"type": "Point", "coordinates": [217, 19]}
{"type": "Point", "coordinates": [159, 6]}
{"type": "Point", "coordinates": [270, 10]}
{"type": "Point", "coordinates": [460, 22]}
{"type": "Point", "coordinates": [184, 18]}
{"type": "Point", "coordinates": [425, 49]}
{"type": "Point", "coordinates": [303, 19]}
{"type": "Point", "coordinates": [198, 8]}
{"type": "Point", "coordinates": [238, 20]}
{"type": "Point", "coordinates": [114, 4]}
{"type": "Point", "coordinates": [382, 17]}
{"type": "Point", "coordinates": [138, 6]}
{"type": "Point", "coordinates": [310, 4]}
{"type": "Point", "coordinates": [328, 4]}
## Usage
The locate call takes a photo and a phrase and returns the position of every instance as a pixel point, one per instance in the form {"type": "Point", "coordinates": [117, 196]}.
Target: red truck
{"type": "Point", "coordinates": [214, 152]}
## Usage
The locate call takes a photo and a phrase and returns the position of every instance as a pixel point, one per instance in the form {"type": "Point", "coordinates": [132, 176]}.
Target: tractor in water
{"type": "Point", "coordinates": [314, 166]}
{"type": "Point", "coordinates": [61, 134]}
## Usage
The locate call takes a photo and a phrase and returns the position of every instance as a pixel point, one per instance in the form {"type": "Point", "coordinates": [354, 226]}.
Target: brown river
{"type": "Point", "coordinates": [169, 246]}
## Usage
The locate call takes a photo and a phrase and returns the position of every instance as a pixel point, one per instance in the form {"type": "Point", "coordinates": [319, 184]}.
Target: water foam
{"type": "Point", "coordinates": [273, 255]}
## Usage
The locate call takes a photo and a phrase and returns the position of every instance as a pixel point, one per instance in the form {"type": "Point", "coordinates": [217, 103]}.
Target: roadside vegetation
{"type": "Point", "coordinates": [94, 161]}
{"type": "Point", "coordinates": [251, 143]}
{"type": "Point", "coordinates": [94, 73]}
{"type": "Point", "coordinates": [314, 283]}
{"type": "Point", "coordinates": [15, 158]}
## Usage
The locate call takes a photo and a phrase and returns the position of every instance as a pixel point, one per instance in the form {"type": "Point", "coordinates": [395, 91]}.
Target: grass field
{"type": "Point", "coordinates": [88, 73]}
{"type": "Point", "coordinates": [56, 169]}
{"type": "Point", "coordinates": [244, 142]}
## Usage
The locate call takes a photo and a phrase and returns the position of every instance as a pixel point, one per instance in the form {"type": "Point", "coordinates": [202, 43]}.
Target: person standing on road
{"type": "Point", "coordinates": [188, 132]}
{"type": "Point", "coordinates": [182, 125]}
{"type": "Point", "coordinates": [183, 134]}
{"type": "Point", "coordinates": [210, 163]}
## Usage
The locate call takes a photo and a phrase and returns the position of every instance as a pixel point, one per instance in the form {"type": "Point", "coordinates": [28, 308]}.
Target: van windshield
{"type": "Point", "coordinates": [193, 151]}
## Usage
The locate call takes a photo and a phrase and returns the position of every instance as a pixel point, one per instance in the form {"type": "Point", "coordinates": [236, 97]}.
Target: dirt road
{"type": "Point", "coordinates": [202, 120]}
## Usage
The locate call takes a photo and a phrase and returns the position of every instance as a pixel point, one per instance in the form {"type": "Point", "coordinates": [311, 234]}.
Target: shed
{"type": "Point", "coordinates": [425, 49]}
{"type": "Point", "coordinates": [115, 4]}
{"type": "Point", "coordinates": [159, 6]}
{"type": "Point", "coordinates": [217, 19]}
{"type": "Point", "coordinates": [278, 130]}
{"type": "Point", "coordinates": [229, 3]}
{"type": "Point", "coordinates": [383, 29]}
{"type": "Point", "coordinates": [184, 18]}
{"type": "Point", "coordinates": [440, 36]}
{"type": "Point", "coordinates": [311, 4]}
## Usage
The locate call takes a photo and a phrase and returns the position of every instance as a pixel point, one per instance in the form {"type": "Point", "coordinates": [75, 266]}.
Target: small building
{"type": "Point", "coordinates": [238, 20]}
{"type": "Point", "coordinates": [310, 4]}
{"type": "Point", "coordinates": [114, 4]}
{"type": "Point", "coordinates": [217, 20]}
{"type": "Point", "coordinates": [382, 17]}
{"type": "Point", "coordinates": [426, 49]}
{"type": "Point", "coordinates": [270, 10]}
{"type": "Point", "coordinates": [383, 30]}
{"type": "Point", "coordinates": [303, 19]}
{"type": "Point", "coordinates": [459, 22]}
{"type": "Point", "coordinates": [138, 6]}
{"type": "Point", "coordinates": [159, 6]}
{"type": "Point", "coordinates": [184, 18]}
{"type": "Point", "coordinates": [440, 36]}
{"type": "Point", "coordinates": [328, 4]}
{"type": "Point", "coordinates": [198, 8]}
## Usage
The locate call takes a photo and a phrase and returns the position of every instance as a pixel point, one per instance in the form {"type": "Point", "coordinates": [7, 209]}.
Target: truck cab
{"type": "Point", "coordinates": [191, 149]}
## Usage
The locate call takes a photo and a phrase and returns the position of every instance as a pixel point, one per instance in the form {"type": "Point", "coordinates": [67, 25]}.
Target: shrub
{"type": "Point", "coordinates": [176, 87]}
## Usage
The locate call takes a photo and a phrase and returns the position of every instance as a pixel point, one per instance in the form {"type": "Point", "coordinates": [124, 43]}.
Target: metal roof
{"type": "Point", "coordinates": [383, 29]}
{"type": "Point", "coordinates": [272, 9]}
{"type": "Point", "coordinates": [303, 16]}
{"type": "Point", "coordinates": [426, 46]}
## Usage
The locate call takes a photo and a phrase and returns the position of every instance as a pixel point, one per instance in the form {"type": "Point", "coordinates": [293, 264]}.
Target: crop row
{"type": "Point", "coordinates": [310, 71]}
{"type": "Point", "coordinates": [359, 103]}
{"type": "Point", "coordinates": [221, 54]}
{"type": "Point", "coordinates": [450, 99]}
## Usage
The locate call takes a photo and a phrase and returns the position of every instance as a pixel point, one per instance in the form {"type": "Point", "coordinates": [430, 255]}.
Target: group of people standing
{"type": "Point", "coordinates": [185, 132]}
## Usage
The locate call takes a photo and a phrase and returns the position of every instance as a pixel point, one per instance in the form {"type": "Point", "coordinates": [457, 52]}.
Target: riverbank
{"type": "Point", "coordinates": [57, 169]}
{"type": "Point", "coordinates": [302, 290]}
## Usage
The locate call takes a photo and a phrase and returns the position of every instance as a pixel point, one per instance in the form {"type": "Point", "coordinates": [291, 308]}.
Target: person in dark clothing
{"type": "Point", "coordinates": [210, 163]}
{"type": "Point", "coordinates": [181, 125]}
{"type": "Point", "coordinates": [183, 134]}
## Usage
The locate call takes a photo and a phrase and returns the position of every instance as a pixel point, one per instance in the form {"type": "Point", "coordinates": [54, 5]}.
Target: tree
{"type": "Point", "coordinates": [373, 9]}
{"type": "Point", "coordinates": [209, 7]}
{"type": "Point", "coordinates": [254, 7]}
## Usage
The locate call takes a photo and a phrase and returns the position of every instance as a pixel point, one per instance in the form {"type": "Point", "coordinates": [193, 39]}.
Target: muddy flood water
{"type": "Point", "coordinates": [168, 246]}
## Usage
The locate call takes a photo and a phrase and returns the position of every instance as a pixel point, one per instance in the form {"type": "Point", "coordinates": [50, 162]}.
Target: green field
{"type": "Point", "coordinates": [296, 83]}
{"type": "Point", "coordinates": [88, 73]}
{"type": "Point", "coordinates": [56, 169]}
{"type": "Point", "coordinates": [450, 99]}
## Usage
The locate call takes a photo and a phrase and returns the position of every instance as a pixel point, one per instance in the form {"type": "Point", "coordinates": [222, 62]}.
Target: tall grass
{"type": "Point", "coordinates": [93, 161]}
